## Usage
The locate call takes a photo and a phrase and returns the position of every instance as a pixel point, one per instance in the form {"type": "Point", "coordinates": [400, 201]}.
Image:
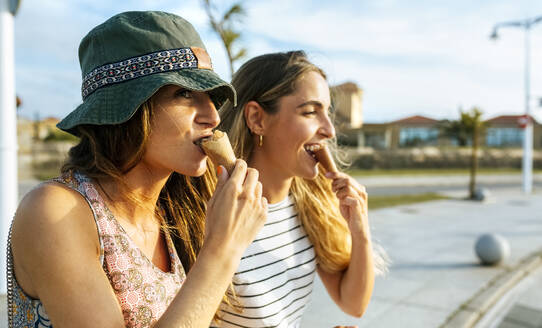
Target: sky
{"type": "Point", "coordinates": [416, 57]}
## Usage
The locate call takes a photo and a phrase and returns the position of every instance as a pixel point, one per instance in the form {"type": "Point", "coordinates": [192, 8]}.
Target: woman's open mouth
{"type": "Point", "coordinates": [312, 148]}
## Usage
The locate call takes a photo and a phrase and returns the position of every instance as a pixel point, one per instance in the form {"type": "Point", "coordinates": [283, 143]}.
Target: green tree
{"type": "Point", "coordinates": [225, 28]}
{"type": "Point", "coordinates": [467, 130]}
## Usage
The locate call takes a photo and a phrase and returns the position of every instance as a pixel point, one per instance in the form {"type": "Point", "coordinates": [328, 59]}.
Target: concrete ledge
{"type": "Point", "coordinates": [532, 263]}
{"type": "Point", "coordinates": [474, 309]}
{"type": "Point", "coordinates": [463, 318]}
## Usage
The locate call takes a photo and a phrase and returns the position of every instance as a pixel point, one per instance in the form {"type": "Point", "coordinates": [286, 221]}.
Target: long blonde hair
{"type": "Point", "coordinates": [265, 79]}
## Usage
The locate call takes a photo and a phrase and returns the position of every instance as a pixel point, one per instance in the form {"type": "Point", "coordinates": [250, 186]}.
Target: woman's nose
{"type": "Point", "coordinates": [208, 114]}
{"type": "Point", "coordinates": [327, 129]}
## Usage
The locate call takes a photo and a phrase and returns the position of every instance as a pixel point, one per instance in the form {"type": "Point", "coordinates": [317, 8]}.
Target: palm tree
{"type": "Point", "coordinates": [467, 130]}
{"type": "Point", "coordinates": [225, 29]}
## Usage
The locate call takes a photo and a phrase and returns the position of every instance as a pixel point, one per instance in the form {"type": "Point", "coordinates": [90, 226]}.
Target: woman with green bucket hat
{"type": "Point", "coordinates": [93, 247]}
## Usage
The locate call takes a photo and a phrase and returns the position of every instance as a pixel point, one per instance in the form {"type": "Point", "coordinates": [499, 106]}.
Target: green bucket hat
{"type": "Point", "coordinates": [125, 60]}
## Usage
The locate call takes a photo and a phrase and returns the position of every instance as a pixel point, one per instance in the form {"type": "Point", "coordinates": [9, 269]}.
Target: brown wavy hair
{"type": "Point", "coordinates": [111, 151]}
{"type": "Point", "coordinates": [265, 79]}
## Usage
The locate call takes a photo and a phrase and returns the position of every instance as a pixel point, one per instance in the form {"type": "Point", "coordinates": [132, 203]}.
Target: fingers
{"type": "Point", "coordinates": [244, 183]}
{"type": "Point", "coordinates": [347, 185]}
{"type": "Point", "coordinates": [264, 205]}
{"type": "Point", "coordinates": [339, 184]}
{"type": "Point", "coordinates": [347, 192]}
{"type": "Point", "coordinates": [239, 172]}
{"type": "Point", "coordinates": [251, 183]}
{"type": "Point", "coordinates": [351, 201]}
{"type": "Point", "coordinates": [258, 191]}
{"type": "Point", "coordinates": [222, 175]}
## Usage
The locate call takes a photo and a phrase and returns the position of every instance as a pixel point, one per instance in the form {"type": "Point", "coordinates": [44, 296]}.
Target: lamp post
{"type": "Point", "coordinates": [527, 163]}
{"type": "Point", "coordinates": [8, 128]}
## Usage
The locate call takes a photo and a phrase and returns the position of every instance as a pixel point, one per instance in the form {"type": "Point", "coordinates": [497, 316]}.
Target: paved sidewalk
{"type": "Point", "coordinates": [435, 270]}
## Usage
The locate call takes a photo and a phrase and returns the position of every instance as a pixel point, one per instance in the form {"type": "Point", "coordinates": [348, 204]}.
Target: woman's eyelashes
{"type": "Point", "coordinates": [313, 112]}
{"type": "Point", "coordinates": [183, 93]}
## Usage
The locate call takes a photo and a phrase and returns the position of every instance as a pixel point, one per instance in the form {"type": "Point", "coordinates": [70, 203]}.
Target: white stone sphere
{"type": "Point", "coordinates": [492, 249]}
{"type": "Point", "coordinates": [481, 194]}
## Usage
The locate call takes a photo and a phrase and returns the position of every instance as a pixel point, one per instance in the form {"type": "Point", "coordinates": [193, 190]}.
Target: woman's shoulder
{"type": "Point", "coordinates": [50, 212]}
{"type": "Point", "coordinates": [53, 235]}
{"type": "Point", "coordinates": [50, 200]}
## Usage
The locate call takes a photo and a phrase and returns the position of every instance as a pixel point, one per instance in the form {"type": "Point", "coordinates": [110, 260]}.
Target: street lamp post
{"type": "Point", "coordinates": [8, 128]}
{"type": "Point", "coordinates": [527, 163]}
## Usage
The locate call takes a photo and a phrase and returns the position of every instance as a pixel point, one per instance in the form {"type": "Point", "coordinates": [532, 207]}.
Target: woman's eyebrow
{"type": "Point", "coordinates": [311, 102]}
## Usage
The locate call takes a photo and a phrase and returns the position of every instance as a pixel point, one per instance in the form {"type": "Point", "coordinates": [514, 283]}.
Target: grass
{"type": "Point", "coordinates": [397, 172]}
{"type": "Point", "coordinates": [396, 200]}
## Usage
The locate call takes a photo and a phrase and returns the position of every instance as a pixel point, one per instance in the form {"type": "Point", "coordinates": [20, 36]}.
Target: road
{"type": "Point", "coordinates": [414, 184]}
{"type": "Point", "coordinates": [417, 184]}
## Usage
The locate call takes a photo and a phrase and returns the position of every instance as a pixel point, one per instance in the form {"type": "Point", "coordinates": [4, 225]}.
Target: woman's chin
{"type": "Point", "coordinates": [310, 174]}
{"type": "Point", "coordinates": [195, 171]}
{"type": "Point", "coordinates": [200, 170]}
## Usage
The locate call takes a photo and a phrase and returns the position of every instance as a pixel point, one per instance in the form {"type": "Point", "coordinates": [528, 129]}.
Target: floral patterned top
{"type": "Point", "coordinates": [142, 289]}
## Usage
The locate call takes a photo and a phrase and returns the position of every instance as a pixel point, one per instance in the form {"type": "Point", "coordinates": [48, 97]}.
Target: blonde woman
{"type": "Point", "coordinates": [316, 222]}
{"type": "Point", "coordinates": [93, 247]}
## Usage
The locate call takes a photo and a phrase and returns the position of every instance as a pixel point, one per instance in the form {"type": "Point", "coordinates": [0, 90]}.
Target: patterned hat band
{"type": "Point", "coordinates": [156, 62]}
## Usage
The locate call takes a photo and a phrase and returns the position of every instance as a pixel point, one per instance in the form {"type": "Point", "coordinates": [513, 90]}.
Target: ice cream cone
{"type": "Point", "coordinates": [219, 150]}
{"type": "Point", "coordinates": [323, 156]}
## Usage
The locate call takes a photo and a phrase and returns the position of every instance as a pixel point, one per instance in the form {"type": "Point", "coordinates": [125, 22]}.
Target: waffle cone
{"type": "Point", "coordinates": [219, 150]}
{"type": "Point", "coordinates": [323, 155]}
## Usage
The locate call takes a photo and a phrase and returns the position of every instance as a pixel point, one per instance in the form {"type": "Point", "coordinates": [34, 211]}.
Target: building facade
{"type": "Point", "coordinates": [420, 131]}
{"type": "Point", "coordinates": [347, 105]}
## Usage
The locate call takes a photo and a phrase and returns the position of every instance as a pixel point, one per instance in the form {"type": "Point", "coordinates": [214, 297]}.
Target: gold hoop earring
{"type": "Point", "coordinates": [260, 143]}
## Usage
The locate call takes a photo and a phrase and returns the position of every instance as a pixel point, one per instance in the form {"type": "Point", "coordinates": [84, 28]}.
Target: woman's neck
{"type": "Point", "coordinates": [276, 184]}
{"type": "Point", "coordinates": [141, 184]}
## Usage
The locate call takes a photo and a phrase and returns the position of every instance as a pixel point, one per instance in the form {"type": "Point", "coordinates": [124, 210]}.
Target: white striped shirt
{"type": "Point", "coordinates": [275, 276]}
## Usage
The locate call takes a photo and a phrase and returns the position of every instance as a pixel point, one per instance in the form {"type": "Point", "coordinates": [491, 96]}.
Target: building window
{"type": "Point", "coordinates": [375, 140]}
{"type": "Point", "coordinates": [504, 137]}
{"type": "Point", "coordinates": [418, 136]}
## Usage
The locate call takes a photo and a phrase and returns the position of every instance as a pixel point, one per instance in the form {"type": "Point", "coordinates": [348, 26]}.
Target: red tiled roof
{"type": "Point", "coordinates": [507, 119]}
{"type": "Point", "coordinates": [417, 119]}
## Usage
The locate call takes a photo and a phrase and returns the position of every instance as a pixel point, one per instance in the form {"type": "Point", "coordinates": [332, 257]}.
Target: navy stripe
{"type": "Point", "coordinates": [278, 209]}
{"type": "Point", "coordinates": [288, 218]}
{"type": "Point", "coordinates": [296, 310]}
{"type": "Point", "coordinates": [273, 249]}
{"type": "Point", "coordinates": [270, 315]}
{"type": "Point", "coordinates": [278, 234]}
{"type": "Point", "coordinates": [277, 261]}
{"type": "Point", "coordinates": [278, 299]}
{"type": "Point", "coordinates": [279, 286]}
{"type": "Point", "coordinates": [276, 274]}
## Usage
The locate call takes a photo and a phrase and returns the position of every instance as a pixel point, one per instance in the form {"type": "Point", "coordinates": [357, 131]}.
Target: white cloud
{"type": "Point", "coordinates": [420, 58]}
